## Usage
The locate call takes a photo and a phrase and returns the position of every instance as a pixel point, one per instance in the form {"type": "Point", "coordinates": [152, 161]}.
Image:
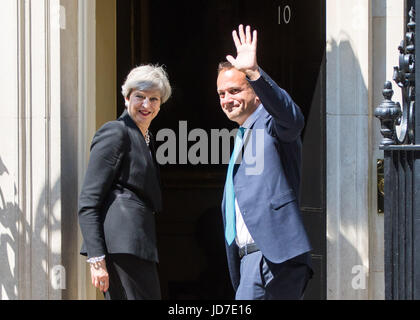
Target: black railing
{"type": "Point", "coordinates": [401, 145]}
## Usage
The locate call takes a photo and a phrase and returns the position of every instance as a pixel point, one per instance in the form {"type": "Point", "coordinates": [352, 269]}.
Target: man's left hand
{"type": "Point", "coordinates": [246, 47]}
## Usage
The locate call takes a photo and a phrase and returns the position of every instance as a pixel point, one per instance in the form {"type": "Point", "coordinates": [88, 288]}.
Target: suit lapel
{"type": "Point", "coordinates": [131, 124]}
{"type": "Point", "coordinates": [245, 143]}
{"type": "Point", "coordinates": [259, 123]}
{"type": "Point", "coordinates": [255, 124]}
{"type": "Point", "coordinates": [153, 155]}
{"type": "Point", "coordinates": [150, 154]}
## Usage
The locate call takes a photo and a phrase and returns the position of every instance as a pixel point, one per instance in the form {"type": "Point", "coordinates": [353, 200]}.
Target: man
{"type": "Point", "coordinates": [267, 246]}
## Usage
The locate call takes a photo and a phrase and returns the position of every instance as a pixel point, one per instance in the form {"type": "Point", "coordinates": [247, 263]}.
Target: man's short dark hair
{"type": "Point", "coordinates": [224, 65]}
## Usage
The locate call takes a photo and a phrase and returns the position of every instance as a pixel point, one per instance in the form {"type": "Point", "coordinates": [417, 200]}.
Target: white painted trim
{"type": "Point", "coordinates": [86, 111]}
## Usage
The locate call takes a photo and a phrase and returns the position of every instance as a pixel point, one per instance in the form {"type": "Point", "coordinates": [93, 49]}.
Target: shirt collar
{"type": "Point", "coordinates": [252, 118]}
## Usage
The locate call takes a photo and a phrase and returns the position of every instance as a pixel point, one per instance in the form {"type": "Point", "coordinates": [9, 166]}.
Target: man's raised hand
{"type": "Point", "coordinates": [246, 47]}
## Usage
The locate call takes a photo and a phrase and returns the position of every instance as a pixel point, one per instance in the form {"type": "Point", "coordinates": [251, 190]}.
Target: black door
{"type": "Point", "coordinates": [190, 38]}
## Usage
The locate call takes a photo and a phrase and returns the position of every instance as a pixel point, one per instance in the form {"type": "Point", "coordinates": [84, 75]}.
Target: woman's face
{"type": "Point", "coordinates": [143, 106]}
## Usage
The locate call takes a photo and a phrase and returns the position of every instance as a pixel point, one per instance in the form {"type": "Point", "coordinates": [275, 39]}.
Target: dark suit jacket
{"type": "Point", "coordinates": [269, 200]}
{"type": "Point", "coordinates": [121, 193]}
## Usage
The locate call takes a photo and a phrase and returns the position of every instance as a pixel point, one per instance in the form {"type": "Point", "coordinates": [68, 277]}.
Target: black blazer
{"type": "Point", "coordinates": [121, 193]}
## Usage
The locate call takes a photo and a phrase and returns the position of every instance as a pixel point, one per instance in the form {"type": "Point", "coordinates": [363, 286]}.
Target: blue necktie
{"type": "Point", "coordinates": [230, 231]}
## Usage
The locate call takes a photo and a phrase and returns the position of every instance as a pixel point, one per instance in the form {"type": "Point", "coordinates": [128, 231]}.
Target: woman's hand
{"type": "Point", "coordinates": [246, 47]}
{"type": "Point", "coordinates": [99, 275]}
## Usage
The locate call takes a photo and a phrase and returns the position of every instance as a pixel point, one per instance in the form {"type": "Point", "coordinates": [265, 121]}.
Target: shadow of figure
{"type": "Point", "coordinates": [9, 216]}
{"type": "Point", "coordinates": [351, 246]}
{"type": "Point", "coordinates": [214, 280]}
{"type": "Point", "coordinates": [22, 272]}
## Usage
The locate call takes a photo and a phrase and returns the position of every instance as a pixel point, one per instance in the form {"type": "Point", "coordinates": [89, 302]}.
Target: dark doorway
{"type": "Point", "coordinates": [190, 38]}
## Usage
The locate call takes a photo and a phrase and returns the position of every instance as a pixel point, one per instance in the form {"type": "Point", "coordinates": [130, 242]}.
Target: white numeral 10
{"type": "Point", "coordinates": [285, 15]}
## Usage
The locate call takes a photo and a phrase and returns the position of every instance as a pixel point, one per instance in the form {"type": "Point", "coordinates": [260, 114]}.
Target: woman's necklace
{"type": "Point", "coordinates": [147, 137]}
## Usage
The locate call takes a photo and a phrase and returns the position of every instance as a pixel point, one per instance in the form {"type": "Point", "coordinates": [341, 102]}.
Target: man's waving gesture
{"type": "Point", "coordinates": [246, 47]}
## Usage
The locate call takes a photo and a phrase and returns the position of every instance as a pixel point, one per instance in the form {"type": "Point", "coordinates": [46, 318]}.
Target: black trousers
{"type": "Point", "coordinates": [131, 278]}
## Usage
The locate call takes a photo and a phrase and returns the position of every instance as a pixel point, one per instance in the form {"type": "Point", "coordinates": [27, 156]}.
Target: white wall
{"type": "Point", "coordinates": [361, 40]}
{"type": "Point", "coordinates": [30, 184]}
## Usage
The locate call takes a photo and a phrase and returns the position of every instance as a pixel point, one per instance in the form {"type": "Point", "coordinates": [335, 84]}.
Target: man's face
{"type": "Point", "coordinates": [237, 99]}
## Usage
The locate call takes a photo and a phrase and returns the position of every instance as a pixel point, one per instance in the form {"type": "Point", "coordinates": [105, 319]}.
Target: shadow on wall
{"type": "Point", "coordinates": [348, 157]}
{"type": "Point", "coordinates": [9, 217]}
{"type": "Point", "coordinates": [29, 273]}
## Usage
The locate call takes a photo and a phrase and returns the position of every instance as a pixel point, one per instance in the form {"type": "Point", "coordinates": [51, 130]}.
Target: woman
{"type": "Point", "coordinates": [121, 193]}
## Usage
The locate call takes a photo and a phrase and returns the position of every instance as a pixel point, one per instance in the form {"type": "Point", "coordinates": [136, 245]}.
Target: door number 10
{"type": "Point", "coordinates": [284, 15]}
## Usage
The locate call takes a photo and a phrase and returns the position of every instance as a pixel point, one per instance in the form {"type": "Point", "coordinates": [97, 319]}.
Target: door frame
{"type": "Point", "coordinates": [96, 69]}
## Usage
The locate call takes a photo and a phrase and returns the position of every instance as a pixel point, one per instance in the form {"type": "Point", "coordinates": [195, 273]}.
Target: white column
{"type": "Point", "coordinates": [348, 147]}
{"type": "Point", "coordinates": [30, 225]}
{"type": "Point", "coordinates": [10, 212]}
{"type": "Point", "coordinates": [87, 117]}
{"type": "Point", "coordinates": [362, 41]}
